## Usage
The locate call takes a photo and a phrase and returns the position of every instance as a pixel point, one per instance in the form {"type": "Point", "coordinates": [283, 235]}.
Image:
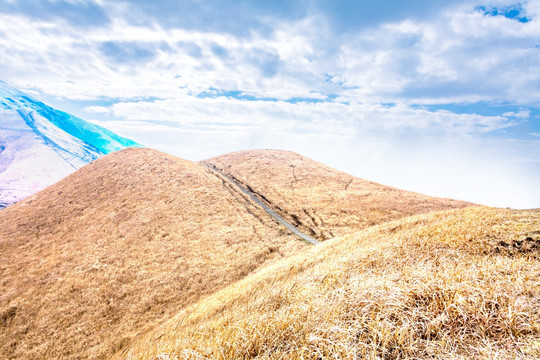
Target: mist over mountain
{"type": "Point", "coordinates": [40, 145]}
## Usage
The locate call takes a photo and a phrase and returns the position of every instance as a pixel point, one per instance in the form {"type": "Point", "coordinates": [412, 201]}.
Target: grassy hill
{"type": "Point", "coordinates": [119, 246]}
{"type": "Point", "coordinates": [322, 201]}
{"type": "Point", "coordinates": [447, 285]}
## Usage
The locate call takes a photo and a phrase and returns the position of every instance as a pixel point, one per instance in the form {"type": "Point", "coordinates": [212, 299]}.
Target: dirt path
{"type": "Point", "coordinates": [269, 211]}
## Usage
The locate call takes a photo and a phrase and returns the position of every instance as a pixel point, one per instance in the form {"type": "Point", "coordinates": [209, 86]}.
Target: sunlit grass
{"type": "Point", "coordinates": [136, 238]}
{"type": "Point", "coordinates": [429, 286]}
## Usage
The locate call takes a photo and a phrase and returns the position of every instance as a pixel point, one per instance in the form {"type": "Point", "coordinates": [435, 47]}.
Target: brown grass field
{"type": "Point", "coordinates": [459, 284]}
{"type": "Point", "coordinates": [119, 246]}
{"type": "Point", "coordinates": [141, 255]}
{"type": "Point", "coordinates": [321, 201]}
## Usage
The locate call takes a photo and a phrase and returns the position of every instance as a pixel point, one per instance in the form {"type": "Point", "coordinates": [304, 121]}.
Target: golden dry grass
{"type": "Point", "coordinates": [119, 246]}
{"type": "Point", "coordinates": [439, 285]}
{"type": "Point", "coordinates": [130, 257]}
{"type": "Point", "coordinates": [322, 201]}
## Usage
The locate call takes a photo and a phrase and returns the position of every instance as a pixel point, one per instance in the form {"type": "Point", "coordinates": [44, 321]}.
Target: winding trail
{"type": "Point", "coordinates": [265, 207]}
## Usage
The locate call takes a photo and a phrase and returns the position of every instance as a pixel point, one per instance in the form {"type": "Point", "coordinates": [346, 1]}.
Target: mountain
{"type": "Point", "coordinates": [96, 261]}
{"type": "Point", "coordinates": [119, 246]}
{"type": "Point", "coordinates": [40, 145]}
{"type": "Point", "coordinates": [458, 284]}
{"type": "Point", "coordinates": [322, 201]}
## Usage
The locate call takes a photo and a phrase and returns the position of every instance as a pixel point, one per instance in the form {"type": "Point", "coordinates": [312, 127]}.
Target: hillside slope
{"type": "Point", "coordinates": [321, 201]}
{"type": "Point", "coordinates": [118, 246]}
{"type": "Point", "coordinates": [447, 285]}
{"type": "Point", "coordinates": [40, 145]}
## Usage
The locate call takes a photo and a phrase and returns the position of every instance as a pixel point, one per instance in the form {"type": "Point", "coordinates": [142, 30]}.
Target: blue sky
{"type": "Point", "coordinates": [438, 97]}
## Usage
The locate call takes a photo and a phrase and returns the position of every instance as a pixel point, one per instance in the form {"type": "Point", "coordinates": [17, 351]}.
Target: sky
{"type": "Point", "coordinates": [434, 96]}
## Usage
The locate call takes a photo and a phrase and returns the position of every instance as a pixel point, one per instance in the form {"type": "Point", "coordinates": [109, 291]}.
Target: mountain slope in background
{"type": "Point", "coordinates": [40, 145]}
{"type": "Point", "coordinates": [118, 247]}
{"type": "Point", "coordinates": [321, 201]}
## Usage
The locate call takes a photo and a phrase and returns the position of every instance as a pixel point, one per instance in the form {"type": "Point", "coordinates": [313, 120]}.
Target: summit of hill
{"type": "Point", "coordinates": [322, 201]}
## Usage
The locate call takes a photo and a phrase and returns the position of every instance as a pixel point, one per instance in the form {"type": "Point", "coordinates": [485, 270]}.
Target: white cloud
{"type": "Point", "coordinates": [454, 57]}
{"type": "Point", "coordinates": [523, 114]}
{"type": "Point", "coordinates": [324, 117]}
{"type": "Point", "coordinates": [97, 110]}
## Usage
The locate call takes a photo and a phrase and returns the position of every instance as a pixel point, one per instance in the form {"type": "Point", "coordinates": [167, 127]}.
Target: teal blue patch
{"type": "Point", "coordinates": [101, 139]}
